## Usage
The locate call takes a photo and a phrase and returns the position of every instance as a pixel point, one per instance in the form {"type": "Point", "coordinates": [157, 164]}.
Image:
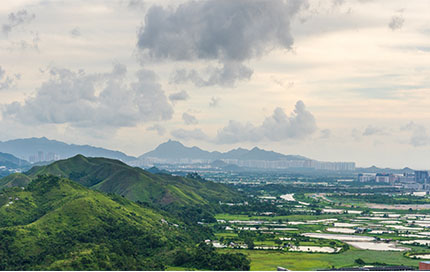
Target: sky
{"type": "Point", "coordinates": [333, 80]}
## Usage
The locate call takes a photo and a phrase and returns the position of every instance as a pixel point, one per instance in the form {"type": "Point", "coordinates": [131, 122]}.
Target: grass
{"type": "Point", "coordinates": [267, 260]}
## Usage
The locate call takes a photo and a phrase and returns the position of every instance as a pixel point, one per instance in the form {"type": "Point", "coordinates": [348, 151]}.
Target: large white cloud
{"type": "Point", "coordinates": [277, 127]}
{"type": "Point", "coordinates": [94, 100]}
{"type": "Point", "coordinates": [229, 32]}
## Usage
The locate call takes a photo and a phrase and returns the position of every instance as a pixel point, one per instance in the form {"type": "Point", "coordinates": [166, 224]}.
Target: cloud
{"type": "Point", "coordinates": [159, 129]}
{"type": "Point", "coordinates": [226, 76]}
{"type": "Point", "coordinates": [16, 19]}
{"type": "Point", "coordinates": [396, 22]}
{"type": "Point", "coordinates": [214, 102]}
{"type": "Point", "coordinates": [136, 4]}
{"type": "Point", "coordinates": [419, 135]}
{"type": "Point", "coordinates": [356, 134]}
{"type": "Point", "coordinates": [189, 119]}
{"type": "Point", "coordinates": [179, 96]}
{"type": "Point", "coordinates": [277, 127]}
{"type": "Point", "coordinates": [227, 32]}
{"type": "Point", "coordinates": [183, 134]}
{"type": "Point", "coordinates": [75, 32]}
{"type": "Point", "coordinates": [93, 100]}
{"type": "Point", "coordinates": [6, 81]}
{"type": "Point", "coordinates": [373, 130]}
{"type": "Point", "coordinates": [325, 134]}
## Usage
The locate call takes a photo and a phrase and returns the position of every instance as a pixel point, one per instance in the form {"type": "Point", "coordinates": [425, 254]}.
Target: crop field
{"type": "Point", "coordinates": [322, 232]}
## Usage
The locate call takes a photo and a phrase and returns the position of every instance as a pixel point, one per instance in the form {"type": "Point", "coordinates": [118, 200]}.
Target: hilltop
{"type": "Point", "coordinates": [58, 224]}
{"type": "Point", "coordinates": [136, 184]}
{"type": "Point", "coordinates": [174, 150]}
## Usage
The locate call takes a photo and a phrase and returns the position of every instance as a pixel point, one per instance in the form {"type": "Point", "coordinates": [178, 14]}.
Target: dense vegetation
{"type": "Point", "coordinates": [57, 224]}
{"type": "Point", "coordinates": [113, 176]}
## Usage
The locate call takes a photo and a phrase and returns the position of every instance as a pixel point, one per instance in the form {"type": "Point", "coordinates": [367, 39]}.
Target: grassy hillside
{"type": "Point", "coordinates": [57, 224]}
{"type": "Point", "coordinates": [134, 183]}
{"type": "Point", "coordinates": [16, 179]}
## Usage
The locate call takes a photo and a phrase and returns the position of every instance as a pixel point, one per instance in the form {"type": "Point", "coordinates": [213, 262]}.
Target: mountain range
{"type": "Point", "coordinates": [174, 150]}
{"type": "Point", "coordinates": [25, 148]}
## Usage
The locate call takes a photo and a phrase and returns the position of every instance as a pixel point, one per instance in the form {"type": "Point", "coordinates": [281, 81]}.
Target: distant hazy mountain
{"type": "Point", "coordinates": [24, 148]}
{"type": "Point", "coordinates": [12, 162]}
{"type": "Point", "coordinates": [374, 169]}
{"type": "Point", "coordinates": [175, 150]}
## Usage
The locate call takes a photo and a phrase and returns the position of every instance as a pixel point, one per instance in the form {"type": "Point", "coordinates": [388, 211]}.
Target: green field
{"type": "Point", "coordinates": [265, 260]}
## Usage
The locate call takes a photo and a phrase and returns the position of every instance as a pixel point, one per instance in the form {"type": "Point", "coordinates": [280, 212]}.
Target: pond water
{"type": "Point", "coordinates": [403, 227]}
{"type": "Point", "coordinates": [377, 246]}
{"type": "Point", "coordinates": [399, 207]}
{"type": "Point", "coordinates": [341, 230]}
{"type": "Point", "coordinates": [314, 249]}
{"type": "Point", "coordinates": [341, 237]}
{"type": "Point", "coordinates": [421, 242]}
{"type": "Point", "coordinates": [333, 211]}
{"type": "Point", "coordinates": [421, 256]}
{"type": "Point", "coordinates": [288, 197]}
{"type": "Point", "coordinates": [381, 231]}
{"type": "Point", "coordinates": [391, 222]}
{"type": "Point", "coordinates": [345, 225]}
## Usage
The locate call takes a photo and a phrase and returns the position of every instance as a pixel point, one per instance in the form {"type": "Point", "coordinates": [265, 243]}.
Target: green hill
{"type": "Point", "coordinates": [57, 224]}
{"type": "Point", "coordinates": [16, 179]}
{"type": "Point", "coordinates": [113, 176]}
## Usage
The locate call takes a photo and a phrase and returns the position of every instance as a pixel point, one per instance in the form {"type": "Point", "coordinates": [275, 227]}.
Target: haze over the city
{"type": "Point", "coordinates": [341, 80]}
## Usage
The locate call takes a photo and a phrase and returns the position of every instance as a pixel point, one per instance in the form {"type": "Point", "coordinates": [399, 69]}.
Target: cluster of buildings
{"type": "Point", "coordinates": [286, 164]}
{"type": "Point", "coordinates": [260, 164]}
{"type": "Point", "coordinates": [43, 157]}
{"type": "Point", "coordinates": [416, 180]}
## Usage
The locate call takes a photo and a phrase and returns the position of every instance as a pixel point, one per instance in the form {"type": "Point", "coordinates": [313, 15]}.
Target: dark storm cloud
{"type": "Point", "coordinates": [277, 127]}
{"type": "Point", "coordinates": [229, 32]}
{"type": "Point", "coordinates": [73, 98]}
{"type": "Point", "coordinates": [16, 19]}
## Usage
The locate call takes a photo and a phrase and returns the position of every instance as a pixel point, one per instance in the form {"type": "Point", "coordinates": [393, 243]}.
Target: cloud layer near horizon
{"type": "Point", "coordinates": [93, 100]}
{"type": "Point", "coordinates": [277, 127]}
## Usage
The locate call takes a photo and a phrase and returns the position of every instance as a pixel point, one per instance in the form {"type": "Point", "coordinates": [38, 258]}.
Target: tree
{"type": "Point", "coordinates": [360, 261]}
{"type": "Point", "coordinates": [249, 242]}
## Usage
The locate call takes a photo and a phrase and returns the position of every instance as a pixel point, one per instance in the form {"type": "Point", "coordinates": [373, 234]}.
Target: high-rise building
{"type": "Point", "coordinates": [421, 176]}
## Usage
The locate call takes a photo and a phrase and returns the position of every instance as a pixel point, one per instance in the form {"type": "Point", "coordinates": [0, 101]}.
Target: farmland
{"type": "Point", "coordinates": [311, 230]}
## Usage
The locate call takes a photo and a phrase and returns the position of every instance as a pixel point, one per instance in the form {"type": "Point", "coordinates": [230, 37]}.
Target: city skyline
{"type": "Point", "coordinates": [329, 80]}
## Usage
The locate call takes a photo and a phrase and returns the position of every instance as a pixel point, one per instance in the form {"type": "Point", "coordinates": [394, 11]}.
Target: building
{"type": "Point", "coordinates": [366, 177]}
{"type": "Point", "coordinates": [424, 265]}
{"type": "Point", "coordinates": [382, 178]}
{"type": "Point", "coordinates": [421, 176]}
